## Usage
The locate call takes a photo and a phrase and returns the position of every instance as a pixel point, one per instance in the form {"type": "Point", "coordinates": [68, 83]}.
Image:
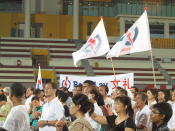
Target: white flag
{"type": "Point", "coordinates": [136, 39]}
{"type": "Point", "coordinates": [39, 84]}
{"type": "Point", "coordinates": [96, 45]}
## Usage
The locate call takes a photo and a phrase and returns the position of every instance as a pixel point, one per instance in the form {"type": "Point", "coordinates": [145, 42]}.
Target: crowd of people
{"type": "Point", "coordinates": [86, 108]}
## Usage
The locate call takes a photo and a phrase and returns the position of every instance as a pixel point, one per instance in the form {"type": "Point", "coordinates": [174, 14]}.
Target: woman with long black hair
{"type": "Point", "coordinates": [123, 121]}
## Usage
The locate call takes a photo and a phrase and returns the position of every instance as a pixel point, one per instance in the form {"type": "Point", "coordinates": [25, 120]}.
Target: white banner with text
{"type": "Point", "coordinates": [122, 80]}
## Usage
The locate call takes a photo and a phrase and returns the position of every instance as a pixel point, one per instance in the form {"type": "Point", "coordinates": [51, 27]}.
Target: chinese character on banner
{"type": "Point", "coordinates": [126, 84]}
{"type": "Point", "coordinates": [115, 83]}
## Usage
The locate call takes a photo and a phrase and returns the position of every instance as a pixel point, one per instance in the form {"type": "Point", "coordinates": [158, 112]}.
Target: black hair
{"type": "Point", "coordinates": [153, 92]}
{"type": "Point", "coordinates": [31, 88]}
{"type": "Point", "coordinates": [17, 90]}
{"type": "Point", "coordinates": [165, 109]}
{"type": "Point", "coordinates": [92, 83]}
{"type": "Point", "coordinates": [37, 91]}
{"type": "Point", "coordinates": [118, 88]}
{"type": "Point", "coordinates": [172, 89]}
{"type": "Point", "coordinates": [79, 86]}
{"type": "Point", "coordinates": [166, 93]}
{"type": "Point", "coordinates": [127, 102]}
{"type": "Point", "coordinates": [66, 111]}
{"type": "Point", "coordinates": [2, 129]}
{"type": "Point", "coordinates": [54, 86]}
{"type": "Point", "coordinates": [136, 89]}
{"type": "Point", "coordinates": [106, 88]}
{"type": "Point", "coordinates": [35, 98]}
{"type": "Point", "coordinates": [83, 101]}
{"type": "Point", "coordinates": [3, 97]}
{"type": "Point", "coordinates": [123, 91]}
{"type": "Point", "coordinates": [62, 95]}
{"type": "Point", "coordinates": [98, 97]}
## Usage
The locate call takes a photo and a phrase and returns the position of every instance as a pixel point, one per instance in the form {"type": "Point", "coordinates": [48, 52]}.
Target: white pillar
{"type": "Point", "coordinates": [122, 26]}
{"type": "Point", "coordinates": [27, 18]}
{"type": "Point", "coordinates": [75, 19]}
{"type": "Point", "coordinates": [166, 30]}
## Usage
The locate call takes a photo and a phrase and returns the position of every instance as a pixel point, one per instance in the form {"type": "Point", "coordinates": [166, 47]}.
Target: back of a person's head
{"type": "Point", "coordinates": [37, 92]}
{"type": "Point", "coordinates": [17, 90]}
{"type": "Point", "coordinates": [2, 129]}
{"type": "Point", "coordinates": [164, 109]}
{"type": "Point", "coordinates": [123, 92]}
{"type": "Point", "coordinates": [35, 98]}
{"type": "Point", "coordinates": [92, 83]}
{"type": "Point", "coordinates": [98, 97]}
{"type": "Point", "coordinates": [80, 87]}
{"type": "Point", "coordinates": [83, 101]}
{"type": "Point", "coordinates": [62, 95]}
{"type": "Point", "coordinates": [3, 97]}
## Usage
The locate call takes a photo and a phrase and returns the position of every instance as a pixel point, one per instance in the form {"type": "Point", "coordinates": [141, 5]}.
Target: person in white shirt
{"type": "Point", "coordinates": [152, 95]}
{"type": "Point", "coordinates": [17, 119]}
{"type": "Point", "coordinates": [171, 122]}
{"type": "Point", "coordinates": [52, 110]}
{"type": "Point", "coordinates": [29, 96]}
{"type": "Point", "coordinates": [142, 116]}
{"type": "Point", "coordinates": [95, 97]}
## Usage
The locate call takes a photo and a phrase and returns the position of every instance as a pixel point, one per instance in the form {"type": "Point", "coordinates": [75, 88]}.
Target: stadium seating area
{"type": "Point", "coordinates": [16, 62]}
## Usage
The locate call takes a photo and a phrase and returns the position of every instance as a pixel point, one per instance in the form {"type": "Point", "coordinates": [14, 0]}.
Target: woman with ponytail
{"type": "Point", "coordinates": [80, 106]}
{"type": "Point", "coordinates": [123, 121]}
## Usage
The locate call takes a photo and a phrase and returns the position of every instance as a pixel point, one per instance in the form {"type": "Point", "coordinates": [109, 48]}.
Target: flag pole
{"type": "Point", "coordinates": [153, 68]}
{"type": "Point", "coordinates": [113, 68]}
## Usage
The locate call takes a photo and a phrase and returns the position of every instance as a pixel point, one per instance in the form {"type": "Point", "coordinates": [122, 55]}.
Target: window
{"type": "Point", "coordinates": [172, 30]}
{"type": "Point", "coordinates": [40, 59]}
{"type": "Point", "coordinates": [157, 30]}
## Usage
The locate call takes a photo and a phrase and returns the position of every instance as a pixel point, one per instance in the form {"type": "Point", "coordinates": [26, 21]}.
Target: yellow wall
{"type": "Point", "coordinates": [8, 21]}
{"type": "Point", "coordinates": [163, 43]}
{"type": "Point", "coordinates": [56, 26]}
{"type": "Point", "coordinates": [46, 74]}
{"type": "Point", "coordinates": [39, 52]}
{"type": "Point", "coordinates": [5, 24]}
{"type": "Point", "coordinates": [60, 26]}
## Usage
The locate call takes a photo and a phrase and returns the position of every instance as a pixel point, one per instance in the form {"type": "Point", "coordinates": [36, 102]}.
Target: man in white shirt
{"type": "Point", "coordinates": [142, 116]}
{"type": "Point", "coordinates": [52, 110]}
{"type": "Point", "coordinates": [17, 119]}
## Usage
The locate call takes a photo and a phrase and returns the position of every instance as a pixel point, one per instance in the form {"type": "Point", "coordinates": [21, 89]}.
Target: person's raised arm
{"type": "Point", "coordinates": [100, 119]}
